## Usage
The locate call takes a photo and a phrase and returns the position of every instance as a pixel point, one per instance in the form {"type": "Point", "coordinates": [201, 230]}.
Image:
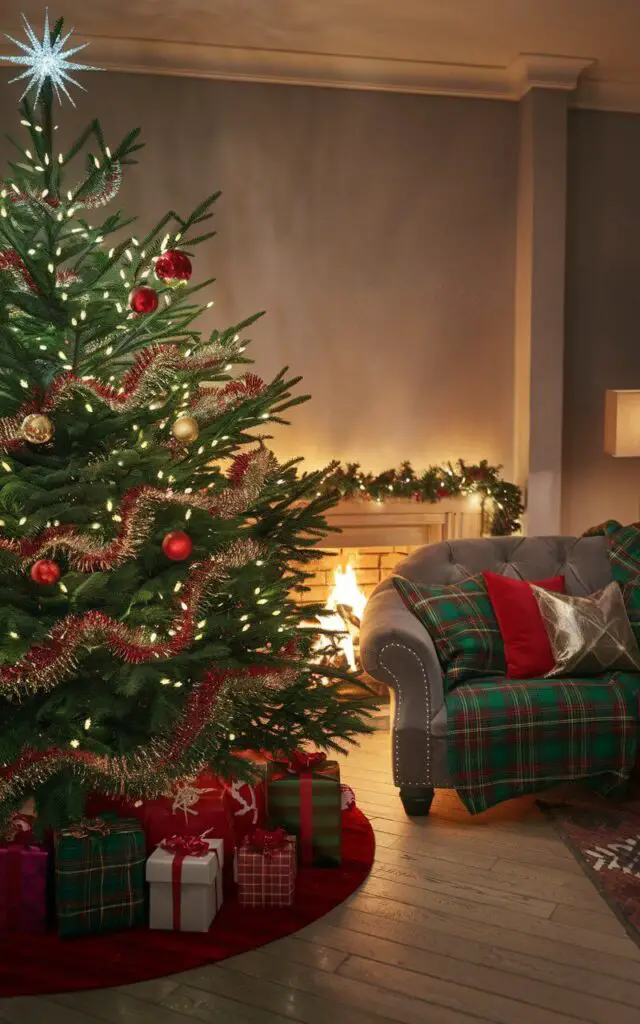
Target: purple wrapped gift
{"type": "Point", "coordinates": [23, 888]}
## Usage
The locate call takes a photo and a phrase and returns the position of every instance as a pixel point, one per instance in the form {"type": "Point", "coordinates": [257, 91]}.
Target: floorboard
{"type": "Point", "coordinates": [462, 919]}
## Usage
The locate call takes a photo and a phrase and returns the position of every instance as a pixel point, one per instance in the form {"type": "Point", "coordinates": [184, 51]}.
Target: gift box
{"type": "Point", "coordinates": [185, 878]}
{"type": "Point", "coordinates": [24, 872]}
{"type": "Point", "coordinates": [266, 869]}
{"type": "Point", "coordinates": [193, 807]}
{"type": "Point", "coordinates": [304, 798]}
{"type": "Point", "coordinates": [247, 801]}
{"type": "Point", "coordinates": [99, 873]}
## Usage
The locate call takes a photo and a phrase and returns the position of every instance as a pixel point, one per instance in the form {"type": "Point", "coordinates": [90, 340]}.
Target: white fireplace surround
{"type": "Point", "coordinates": [399, 522]}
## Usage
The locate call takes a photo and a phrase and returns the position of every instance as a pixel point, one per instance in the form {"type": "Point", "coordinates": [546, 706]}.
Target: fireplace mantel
{"type": "Point", "coordinates": [398, 522]}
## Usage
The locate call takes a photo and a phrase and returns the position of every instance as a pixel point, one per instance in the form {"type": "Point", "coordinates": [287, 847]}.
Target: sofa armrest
{"type": "Point", "coordinates": [397, 650]}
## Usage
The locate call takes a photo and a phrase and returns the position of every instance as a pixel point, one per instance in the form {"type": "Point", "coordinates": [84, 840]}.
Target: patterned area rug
{"type": "Point", "coordinates": [604, 837]}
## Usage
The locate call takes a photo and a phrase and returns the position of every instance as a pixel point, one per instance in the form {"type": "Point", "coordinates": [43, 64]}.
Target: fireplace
{"type": "Point", "coordinates": [374, 537]}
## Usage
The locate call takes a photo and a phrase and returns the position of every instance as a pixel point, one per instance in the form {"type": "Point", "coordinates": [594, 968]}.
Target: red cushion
{"type": "Point", "coordinates": [526, 646]}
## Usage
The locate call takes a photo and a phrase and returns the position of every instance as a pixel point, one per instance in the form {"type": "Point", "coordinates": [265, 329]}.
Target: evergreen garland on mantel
{"type": "Point", "coordinates": [501, 500]}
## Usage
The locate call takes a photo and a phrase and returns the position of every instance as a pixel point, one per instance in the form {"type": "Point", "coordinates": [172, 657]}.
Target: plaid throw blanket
{"type": "Point", "coordinates": [508, 738]}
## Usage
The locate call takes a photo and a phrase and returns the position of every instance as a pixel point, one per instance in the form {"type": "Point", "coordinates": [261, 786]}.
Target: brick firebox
{"type": "Point", "coordinates": [374, 537]}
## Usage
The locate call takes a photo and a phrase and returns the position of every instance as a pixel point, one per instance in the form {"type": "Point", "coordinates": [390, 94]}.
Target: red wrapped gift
{"type": "Point", "coordinates": [266, 869]}
{"type": "Point", "coordinates": [248, 800]}
{"type": "Point", "coordinates": [24, 871]}
{"type": "Point", "coordinates": [195, 806]}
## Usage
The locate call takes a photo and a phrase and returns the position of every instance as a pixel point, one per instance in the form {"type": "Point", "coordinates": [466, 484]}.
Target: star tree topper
{"type": "Point", "coordinates": [47, 60]}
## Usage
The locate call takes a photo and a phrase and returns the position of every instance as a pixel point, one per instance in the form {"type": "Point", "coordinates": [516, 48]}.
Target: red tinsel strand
{"type": "Point", "coordinates": [131, 774]}
{"type": "Point", "coordinates": [11, 260]}
{"type": "Point", "coordinates": [87, 554]}
{"type": "Point", "coordinates": [107, 191]}
{"type": "Point", "coordinates": [239, 467]}
{"type": "Point", "coordinates": [44, 665]}
{"type": "Point", "coordinates": [150, 366]}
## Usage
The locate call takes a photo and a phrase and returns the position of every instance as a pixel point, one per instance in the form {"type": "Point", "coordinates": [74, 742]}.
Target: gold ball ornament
{"type": "Point", "coordinates": [37, 428]}
{"type": "Point", "coordinates": [186, 429]}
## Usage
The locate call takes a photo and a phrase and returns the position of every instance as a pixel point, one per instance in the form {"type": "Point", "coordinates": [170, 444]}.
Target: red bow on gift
{"type": "Point", "coordinates": [300, 762]}
{"type": "Point", "coordinates": [186, 846]}
{"type": "Point", "coordinates": [266, 842]}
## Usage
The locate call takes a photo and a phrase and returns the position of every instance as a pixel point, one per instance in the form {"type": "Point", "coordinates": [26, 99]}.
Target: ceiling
{"type": "Point", "coordinates": [463, 47]}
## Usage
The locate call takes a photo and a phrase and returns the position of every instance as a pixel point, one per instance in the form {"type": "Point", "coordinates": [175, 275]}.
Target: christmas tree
{"type": "Point", "coordinates": [150, 543]}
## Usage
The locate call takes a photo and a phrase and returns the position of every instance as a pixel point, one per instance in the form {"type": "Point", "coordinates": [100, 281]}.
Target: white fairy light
{"type": "Point", "coordinates": [14, 635]}
{"type": "Point", "coordinates": [165, 682]}
{"type": "Point", "coordinates": [74, 743]}
{"type": "Point", "coordinates": [22, 520]}
{"type": "Point", "coordinates": [47, 60]}
{"type": "Point", "coordinates": [87, 724]}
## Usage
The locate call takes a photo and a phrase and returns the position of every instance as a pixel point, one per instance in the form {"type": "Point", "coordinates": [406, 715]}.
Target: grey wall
{"type": "Point", "coordinates": [602, 312]}
{"type": "Point", "coordinates": [378, 232]}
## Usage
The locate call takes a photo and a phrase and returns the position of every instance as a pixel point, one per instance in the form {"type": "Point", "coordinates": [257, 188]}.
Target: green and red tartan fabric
{"type": "Point", "coordinates": [507, 738]}
{"type": "Point", "coordinates": [462, 624]}
{"type": "Point", "coordinates": [100, 876]}
{"type": "Point", "coordinates": [624, 559]}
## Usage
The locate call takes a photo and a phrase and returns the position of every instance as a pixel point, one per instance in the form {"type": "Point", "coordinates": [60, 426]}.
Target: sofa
{"type": "Point", "coordinates": [397, 650]}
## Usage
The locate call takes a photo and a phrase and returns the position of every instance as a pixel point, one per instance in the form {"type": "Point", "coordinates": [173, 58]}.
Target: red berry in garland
{"type": "Point", "coordinates": [143, 299]}
{"type": "Point", "coordinates": [173, 267]}
{"type": "Point", "coordinates": [44, 572]}
{"type": "Point", "coordinates": [444, 492]}
{"type": "Point", "coordinates": [177, 545]}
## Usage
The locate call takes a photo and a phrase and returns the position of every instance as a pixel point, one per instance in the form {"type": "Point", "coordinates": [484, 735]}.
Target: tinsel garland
{"type": "Point", "coordinates": [100, 196]}
{"type": "Point", "coordinates": [215, 401]}
{"type": "Point", "coordinates": [501, 500]}
{"type": "Point", "coordinates": [86, 553]}
{"type": "Point", "coordinates": [11, 260]}
{"type": "Point", "coordinates": [153, 368]}
{"type": "Point", "coordinates": [147, 771]}
{"type": "Point", "coordinates": [45, 665]}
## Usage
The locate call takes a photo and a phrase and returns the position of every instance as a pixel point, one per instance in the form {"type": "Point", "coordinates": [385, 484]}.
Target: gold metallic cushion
{"type": "Point", "coordinates": [588, 635]}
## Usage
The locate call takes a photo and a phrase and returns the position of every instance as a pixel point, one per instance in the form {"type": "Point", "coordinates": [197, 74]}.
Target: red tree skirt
{"type": "Point", "coordinates": [42, 964]}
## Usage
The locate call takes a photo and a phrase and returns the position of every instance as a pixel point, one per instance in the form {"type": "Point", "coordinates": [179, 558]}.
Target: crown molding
{"type": "Point", "coordinates": [288, 67]}
{"type": "Point", "coordinates": [543, 71]}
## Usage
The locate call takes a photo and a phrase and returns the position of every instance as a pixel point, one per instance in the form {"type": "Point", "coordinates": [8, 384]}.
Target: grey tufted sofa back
{"type": "Point", "coordinates": [582, 561]}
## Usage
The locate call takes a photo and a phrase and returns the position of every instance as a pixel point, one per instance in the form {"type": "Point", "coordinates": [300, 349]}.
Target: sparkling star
{"type": "Point", "coordinates": [47, 60]}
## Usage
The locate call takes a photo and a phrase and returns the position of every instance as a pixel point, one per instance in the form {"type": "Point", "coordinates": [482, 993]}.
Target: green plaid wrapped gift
{"type": "Point", "coordinates": [304, 798]}
{"type": "Point", "coordinates": [505, 739]}
{"type": "Point", "coordinates": [460, 619]}
{"type": "Point", "coordinates": [100, 876]}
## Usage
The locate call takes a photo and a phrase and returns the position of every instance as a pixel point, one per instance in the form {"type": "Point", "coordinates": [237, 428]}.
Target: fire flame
{"type": "Point", "coordinates": [345, 594]}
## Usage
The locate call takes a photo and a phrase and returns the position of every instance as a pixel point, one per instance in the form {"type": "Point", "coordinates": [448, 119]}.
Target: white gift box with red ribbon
{"type": "Point", "coordinates": [185, 886]}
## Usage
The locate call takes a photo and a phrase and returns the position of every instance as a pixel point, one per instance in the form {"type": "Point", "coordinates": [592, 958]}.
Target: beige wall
{"type": "Point", "coordinates": [377, 230]}
{"type": "Point", "coordinates": [602, 347]}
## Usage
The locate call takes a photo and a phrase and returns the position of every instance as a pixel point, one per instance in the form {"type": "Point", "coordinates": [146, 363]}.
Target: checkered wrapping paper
{"type": "Point", "coordinates": [461, 622]}
{"type": "Point", "coordinates": [508, 738]}
{"type": "Point", "coordinates": [100, 879]}
{"type": "Point", "coordinates": [267, 879]}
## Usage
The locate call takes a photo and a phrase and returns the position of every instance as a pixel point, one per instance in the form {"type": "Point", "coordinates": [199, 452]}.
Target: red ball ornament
{"type": "Point", "coordinates": [44, 572]}
{"type": "Point", "coordinates": [173, 267]}
{"type": "Point", "coordinates": [143, 299]}
{"type": "Point", "coordinates": [177, 545]}
{"type": "Point", "coordinates": [444, 492]}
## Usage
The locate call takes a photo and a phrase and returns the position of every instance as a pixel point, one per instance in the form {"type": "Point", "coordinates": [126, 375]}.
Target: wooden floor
{"type": "Point", "coordinates": [485, 919]}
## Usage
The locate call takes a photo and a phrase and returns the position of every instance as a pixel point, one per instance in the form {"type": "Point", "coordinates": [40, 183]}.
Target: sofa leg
{"type": "Point", "coordinates": [417, 800]}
